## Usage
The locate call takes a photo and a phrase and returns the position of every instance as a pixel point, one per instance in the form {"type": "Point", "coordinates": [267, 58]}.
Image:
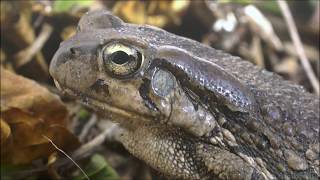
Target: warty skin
{"type": "Point", "coordinates": [214, 115]}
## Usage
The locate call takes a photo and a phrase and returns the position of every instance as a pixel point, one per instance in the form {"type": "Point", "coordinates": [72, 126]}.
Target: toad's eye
{"type": "Point", "coordinates": [120, 60]}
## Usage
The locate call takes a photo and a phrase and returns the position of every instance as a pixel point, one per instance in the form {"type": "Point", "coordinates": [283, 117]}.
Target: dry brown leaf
{"type": "Point", "coordinates": [68, 32]}
{"type": "Point", "coordinates": [289, 66]}
{"type": "Point", "coordinates": [157, 13]}
{"type": "Point", "coordinates": [5, 131]}
{"type": "Point", "coordinates": [31, 111]}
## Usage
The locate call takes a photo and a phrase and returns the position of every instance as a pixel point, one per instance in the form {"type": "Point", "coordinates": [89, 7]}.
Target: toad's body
{"type": "Point", "coordinates": [188, 110]}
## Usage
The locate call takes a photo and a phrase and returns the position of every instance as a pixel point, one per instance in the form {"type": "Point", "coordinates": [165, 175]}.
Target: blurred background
{"type": "Point", "coordinates": [32, 113]}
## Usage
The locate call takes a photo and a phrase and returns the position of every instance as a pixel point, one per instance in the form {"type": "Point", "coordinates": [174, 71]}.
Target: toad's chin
{"type": "Point", "coordinates": [103, 106]}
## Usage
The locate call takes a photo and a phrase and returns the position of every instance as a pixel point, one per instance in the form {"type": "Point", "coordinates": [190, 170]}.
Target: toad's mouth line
{"type": "Point", "coordinates": [103, 106]}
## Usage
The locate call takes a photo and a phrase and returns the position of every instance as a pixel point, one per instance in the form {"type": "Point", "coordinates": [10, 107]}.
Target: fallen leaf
{"type": "Point", "coordinates": [157, 13]}
{"type": "Point", "coordinates": [288, 66]}
{"type": "Point", "coordinates": [30, 111]}
{"type": "Point", "coordinates": [5, 131]}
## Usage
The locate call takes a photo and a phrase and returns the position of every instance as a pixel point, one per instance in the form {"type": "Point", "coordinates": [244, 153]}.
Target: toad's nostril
{"type": "Point", "coordinates": [101, 82]}
{"type": "Point", "coordinates": [101, 86]}
{"type": "Point", "coordinates": [73, 51]}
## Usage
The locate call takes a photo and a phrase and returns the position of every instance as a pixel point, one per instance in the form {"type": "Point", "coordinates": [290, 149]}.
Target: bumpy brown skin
{"type": "Point", "coordinates": [278, 138]}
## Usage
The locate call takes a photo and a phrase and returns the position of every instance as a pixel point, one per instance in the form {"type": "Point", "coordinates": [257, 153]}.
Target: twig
{"type": "Point", "coordinates": [27, 54]}
{"type": "Point", "coordinates": [67, 156]}
{"type": "Point", "coordinates": [97, 141]}
{"type": "Point", "coordinates": [81, 153]}
{"type": "Point", "coordinates": [87, 127]}
{"type": "Point", "coordinates": [298, 45]}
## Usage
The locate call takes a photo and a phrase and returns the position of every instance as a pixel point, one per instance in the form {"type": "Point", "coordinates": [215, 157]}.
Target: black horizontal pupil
{"type": "Point", "coordinates": [120, 57]}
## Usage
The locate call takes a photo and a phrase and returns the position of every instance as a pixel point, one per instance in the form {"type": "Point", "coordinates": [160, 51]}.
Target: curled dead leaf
{"type": "Point", "coordinates": [31, 111]}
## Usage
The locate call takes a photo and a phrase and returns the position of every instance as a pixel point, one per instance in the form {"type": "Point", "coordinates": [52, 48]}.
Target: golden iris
{"type": "Point", "coordinates": [121, 60]}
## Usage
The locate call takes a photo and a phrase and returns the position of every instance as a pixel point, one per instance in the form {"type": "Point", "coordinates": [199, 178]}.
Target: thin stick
{"type": "Point", "coordinates": [97, 141]}
{"type": "Point", "coordinates": [298, 45]}
{"type": "Point", "coordinates": [27, 54]}
{"type": "Point", "coordinates": [87, 127]}
{"type": "Point", "coordinates": [80, 153]}
{"type": "Point", "coordinates": [66, 156]}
